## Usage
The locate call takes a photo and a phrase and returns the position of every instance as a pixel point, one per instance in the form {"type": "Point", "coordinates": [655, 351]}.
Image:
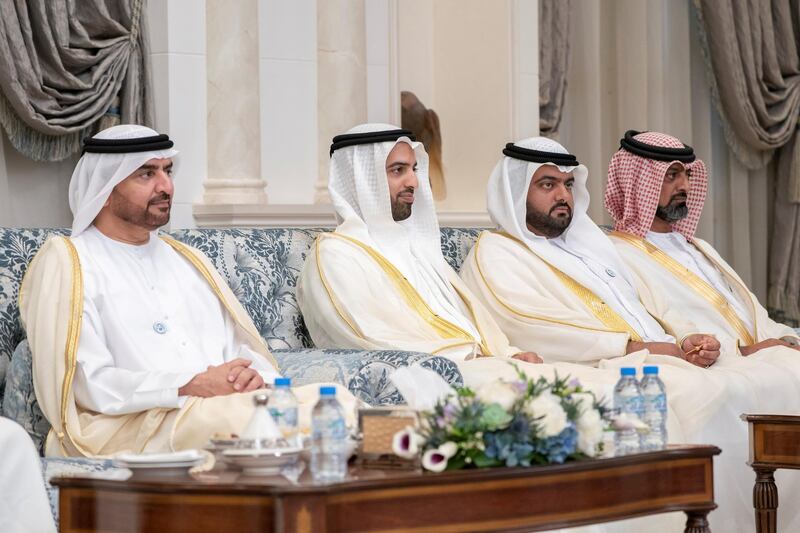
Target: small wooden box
{"type": "Point", "coordinates": [378, 428]}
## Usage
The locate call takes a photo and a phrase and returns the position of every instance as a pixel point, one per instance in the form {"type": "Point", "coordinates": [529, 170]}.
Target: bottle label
{"type": "Point", "coordinates": [286, 420]}
{"type": "Point", "coordinates": [331, 435]}
{"type": "Point", "coordinates": [656, 402]}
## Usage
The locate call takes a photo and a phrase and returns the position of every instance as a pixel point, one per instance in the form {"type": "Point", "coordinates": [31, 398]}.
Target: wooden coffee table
{"type": "Point", "coordinates": [774, 443]}
{"type": "Point", "coordinates": [500, 499]}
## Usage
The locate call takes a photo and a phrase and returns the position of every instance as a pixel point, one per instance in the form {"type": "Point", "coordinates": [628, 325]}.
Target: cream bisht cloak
{"type": "Point", "coordinates": [51, 300]}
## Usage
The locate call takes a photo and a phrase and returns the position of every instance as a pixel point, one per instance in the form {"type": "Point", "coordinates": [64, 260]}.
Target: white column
{"type": "Point", "coordinates": [341, 77]}
{"type": "Point", "coordinates": [525, 68]}
{"type": "Point", "coordinates": [234, 158]}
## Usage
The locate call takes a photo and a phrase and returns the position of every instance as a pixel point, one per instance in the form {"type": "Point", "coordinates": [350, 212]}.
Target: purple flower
{"type": "Point", "coordinates": [519, 386]}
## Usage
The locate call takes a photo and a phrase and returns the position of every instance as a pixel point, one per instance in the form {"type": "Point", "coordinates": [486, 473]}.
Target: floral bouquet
{"type": "Point", "coordinates": [503, 423]}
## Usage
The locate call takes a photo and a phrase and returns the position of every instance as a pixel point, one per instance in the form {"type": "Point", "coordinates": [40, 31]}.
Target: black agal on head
{"type": "Point", "coordinates": [659, 153]}
{"type": "Point", "coordinates": [538, 156]}
{"type": "Point", "coordinates": [127, 146]}
{"type": "Point", "coordinates": [352, 139]}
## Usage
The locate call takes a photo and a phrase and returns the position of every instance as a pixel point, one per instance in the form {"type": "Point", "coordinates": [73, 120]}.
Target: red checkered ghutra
{"type": "Point", "coordinates": [634, 186]}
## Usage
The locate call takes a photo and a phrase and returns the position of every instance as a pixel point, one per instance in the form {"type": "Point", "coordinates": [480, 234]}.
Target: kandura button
{"type": "Point", "coordinates": [159, 327]}
{"type": "Point", "coordinates": [611, 273]}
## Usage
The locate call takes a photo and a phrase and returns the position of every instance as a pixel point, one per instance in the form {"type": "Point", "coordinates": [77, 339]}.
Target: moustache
{"type": "Point", "coordinates": [160, 198]}
{"type": "Point", "coordinates": [561, 204]}
{"type": "Point", "coordinates": [679, 196]}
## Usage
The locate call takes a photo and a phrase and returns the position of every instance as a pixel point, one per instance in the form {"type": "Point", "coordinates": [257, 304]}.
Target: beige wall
{"type": "Point", "coordinates": [469, 62]}
{"type": "Point", "coordinates": [472, 94]}
{"type": "Point", "coordinates": [32, 194]}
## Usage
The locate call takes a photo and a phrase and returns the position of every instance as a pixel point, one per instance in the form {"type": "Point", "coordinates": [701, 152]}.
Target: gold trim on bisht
{"type": "Point", "coordinates": [444, 328]}
{"type": "Point", "coordinates": [606, 315]}
{"type": "Point", "coordinates": [694, 281]}
{"type": "Point", "coordinates": [73, 336]}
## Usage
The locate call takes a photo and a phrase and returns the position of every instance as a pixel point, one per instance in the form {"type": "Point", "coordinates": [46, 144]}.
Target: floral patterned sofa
{"type": "Point", "coordinates": [261, 266]}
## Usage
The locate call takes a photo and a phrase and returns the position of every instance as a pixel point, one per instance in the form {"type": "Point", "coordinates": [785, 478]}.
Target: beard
{"type": "Point", "coordinates": [401, 210]}
{"type": "Point", "coordinates": [675, 210]}
{"type": "Point", "coordinates": [149, 218]}
{"type": "Point", "coordinates": [545, 223]}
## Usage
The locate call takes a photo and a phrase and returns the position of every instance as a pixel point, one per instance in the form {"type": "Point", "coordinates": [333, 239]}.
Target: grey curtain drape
{"type": "Point", "coordinates": [752, 52]}
{"type": "Point", "coordinates": [69, 68]}
{"type": "Point", "coordinates": [553, 62]}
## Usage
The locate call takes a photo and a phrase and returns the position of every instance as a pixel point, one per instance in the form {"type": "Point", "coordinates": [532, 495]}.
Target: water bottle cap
{"type": "Point", "coordinates": [327, 391]}
{"type": "Point", "coordinates": [283, 382]}
{"type": "Point", "coordinates": [627, 371]}
{"type": "Point", "coordinates": [651, 370]}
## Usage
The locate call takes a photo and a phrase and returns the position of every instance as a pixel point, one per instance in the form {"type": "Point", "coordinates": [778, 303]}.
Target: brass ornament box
{"type": "Point", "coordinates": [378, 428]}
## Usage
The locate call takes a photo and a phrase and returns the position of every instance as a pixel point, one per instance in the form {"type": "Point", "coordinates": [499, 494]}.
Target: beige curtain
{"type": "Point", "coordinates": [554, 46]}
{"type": "Point", "coordinates": [751, 49]}
{"type": "Point", "coordinates": [68, 68]}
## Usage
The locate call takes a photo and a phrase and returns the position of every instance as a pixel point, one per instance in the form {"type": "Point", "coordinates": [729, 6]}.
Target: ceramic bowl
{"type": "Point", "coordinates": [261, 462]}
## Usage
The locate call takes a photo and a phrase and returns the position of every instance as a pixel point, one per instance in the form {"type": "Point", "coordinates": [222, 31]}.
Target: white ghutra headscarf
{"type": "Point", "coordinates": [359, 191]}
{"type": "Point", "coordinates": [96, 174]}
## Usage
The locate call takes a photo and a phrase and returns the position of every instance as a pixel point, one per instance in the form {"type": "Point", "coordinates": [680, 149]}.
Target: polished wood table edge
{"type": "Point", "coordinates": [782, 419]}
{"type": "Point", "coordinates": [567, 524]}
{"type": "Point", "coordinates": [401, 479]}
{"type": "Point", "coordinates": [773, 465]}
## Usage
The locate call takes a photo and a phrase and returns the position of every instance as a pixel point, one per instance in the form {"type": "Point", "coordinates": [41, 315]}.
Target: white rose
{"type": "Point", "coordinates": [584, 400]}
{"type": "Point", "coordinates": [590, 431]}
{"type": "Point", "coordinates": [498, 392]}
{"type": "Point", "coordinates": [449, 449]}
{"type": "Point", "coordinates": [548, 406]}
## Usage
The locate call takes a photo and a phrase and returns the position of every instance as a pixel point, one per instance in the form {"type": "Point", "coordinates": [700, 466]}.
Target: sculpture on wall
{"type": "Point", "coordinates": [424, 123]}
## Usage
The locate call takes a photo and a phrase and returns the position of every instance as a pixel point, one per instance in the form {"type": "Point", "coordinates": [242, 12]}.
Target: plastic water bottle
{"type": "Point", "coordinates": [655, 409]}
{"type": "Point", "coordinates": [283, 408]}
{"type": "Point", "coordinates": [328, 438]}
{"type": "Point", "coordinates": [628, 399]}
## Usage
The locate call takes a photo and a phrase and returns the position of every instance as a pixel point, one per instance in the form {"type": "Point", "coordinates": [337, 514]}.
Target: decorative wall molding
{"type": "Point", "coordinates": [264, 216]}
{"type": "Point", "coordinates": [305, 216]}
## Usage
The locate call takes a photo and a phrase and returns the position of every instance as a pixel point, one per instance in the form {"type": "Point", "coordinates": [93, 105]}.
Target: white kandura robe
{"type": "Point", "coordinates": [533, 306]}
{"type": "Point", "coordinates": [150, 323]}
{"type": "Point", "coordinates": [24, 507]}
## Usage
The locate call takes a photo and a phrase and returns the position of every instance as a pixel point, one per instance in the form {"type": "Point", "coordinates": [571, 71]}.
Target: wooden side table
{"type": "Point", "coordinates": [774, 443]}
{"type": "Point", "coordinates": [497, 499]}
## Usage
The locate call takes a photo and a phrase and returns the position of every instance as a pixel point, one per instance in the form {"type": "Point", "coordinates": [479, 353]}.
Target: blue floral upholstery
{"type": "Point", "coordinates": [17, 248]}
{"type": "Point", "coordinates": [261, 266]}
